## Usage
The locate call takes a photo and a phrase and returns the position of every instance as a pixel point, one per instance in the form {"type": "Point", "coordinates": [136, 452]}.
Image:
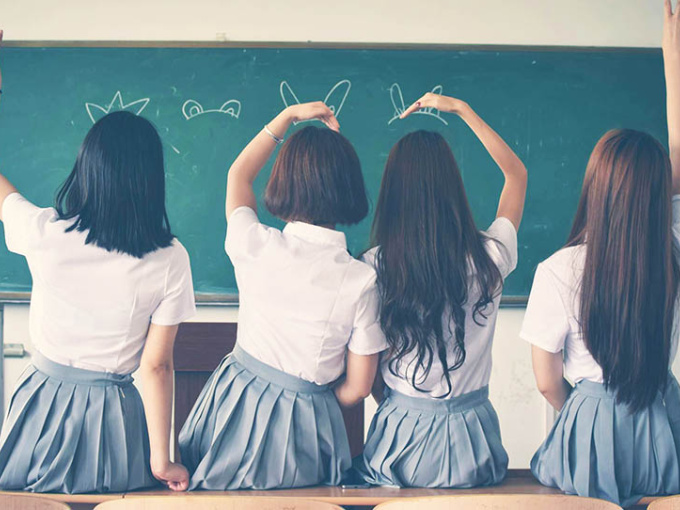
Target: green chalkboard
{"type": "Point", "coordinates": [551, 105]}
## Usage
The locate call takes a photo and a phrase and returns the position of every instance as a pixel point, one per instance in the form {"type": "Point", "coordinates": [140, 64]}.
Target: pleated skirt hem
{"type": "Point", "coordinates": [599, 448]}
{"type": "Point", "coordinates": [254, 427]}
{"type": "Point", "coordinates": [74, 431]}
{"type": "Point", "coordinates": [417, 442]}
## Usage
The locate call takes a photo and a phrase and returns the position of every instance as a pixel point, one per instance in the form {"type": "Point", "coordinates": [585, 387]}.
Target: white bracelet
{"type": "Point", "coordinates": [272, 135]}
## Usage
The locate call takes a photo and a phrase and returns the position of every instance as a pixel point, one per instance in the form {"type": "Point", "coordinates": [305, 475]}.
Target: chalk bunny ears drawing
{"type": "Point", "coordinates": [400, 107]}
{"type": "Point", "coordinates": [335, 99]}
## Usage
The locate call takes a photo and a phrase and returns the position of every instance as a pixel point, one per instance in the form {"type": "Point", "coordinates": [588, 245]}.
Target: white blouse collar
{"type": "Point", "coordinates": [316, 234]}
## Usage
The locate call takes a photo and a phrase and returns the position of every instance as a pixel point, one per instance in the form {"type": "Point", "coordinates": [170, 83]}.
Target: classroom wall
{"type": "Point", "coordinates": [523, 414]}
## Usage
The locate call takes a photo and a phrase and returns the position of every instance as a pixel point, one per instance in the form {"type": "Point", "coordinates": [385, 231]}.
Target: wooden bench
{"type": "Point", "coordinates": [518, 481]}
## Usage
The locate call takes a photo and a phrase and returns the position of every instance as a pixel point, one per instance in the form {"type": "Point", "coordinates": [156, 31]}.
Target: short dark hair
{"type": "Point", "coordinates": [116, 190]}
{"type": "Point", "coordinates": [317, 179]}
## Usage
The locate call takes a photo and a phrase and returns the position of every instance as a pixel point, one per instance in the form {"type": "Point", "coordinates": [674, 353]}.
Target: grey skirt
{"type": "Point", "coordinates": [255, 427]}
{"type": "Point", "coordinates": [421, 442]}
{"type": "Point", "coordinates": [74, 431]}
{"type": "Point", "coordinates": [599, 448]}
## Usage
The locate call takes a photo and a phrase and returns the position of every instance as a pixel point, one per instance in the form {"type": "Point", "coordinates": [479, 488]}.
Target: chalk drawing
{"type": "Point", "coordinates": [399, 106]}
{"type": "Point", "coordinates": [96, 111]}
{"type": "Point", "coordinates": [335, 99]}
{"type": "Point", "coordinates": [192, 108]}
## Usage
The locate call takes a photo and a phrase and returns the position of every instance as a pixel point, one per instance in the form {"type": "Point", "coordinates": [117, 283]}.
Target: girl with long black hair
{"type": "Point", "coordinates": [601, 314]}
{"type": "Point", "coordinates": [440, 282]}
{"type": "Point", "coordinates": [110, 286]}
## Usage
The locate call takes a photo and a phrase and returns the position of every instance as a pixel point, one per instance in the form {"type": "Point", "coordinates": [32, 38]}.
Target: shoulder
{"type": "Point", "coordinates": [369, 257]}
{"type": "Point", "coordinates": [564, 264]}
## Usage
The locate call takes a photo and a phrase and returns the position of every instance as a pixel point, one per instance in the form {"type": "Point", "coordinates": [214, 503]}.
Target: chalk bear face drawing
{"type": "Point", "coordinates": [400, 107]}
{"type": "Point", "coordinates": [192, 108]}
{"type": "Point", "coordinates": [335, 99]}
{"type": "Point", "coordinates": [96, 111]}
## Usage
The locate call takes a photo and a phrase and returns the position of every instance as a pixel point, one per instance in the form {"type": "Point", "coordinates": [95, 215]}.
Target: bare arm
{"type": "Point", "coordinates": [378, 390]}
{"type": "Point", "coordinates": [157, 376]}
{"type": "Point", "coordinates": [252, 159]}
{"type": "Point", "coordinates": [511, 202]}
{"type": "Point", "coordinates": [6, 187]}
{"type": "Point", "coordinates": [549, 376]}
{"type": "Point", "coordinates": [671, 59]}
{"type": "Point", "coordinates": [359, 378]}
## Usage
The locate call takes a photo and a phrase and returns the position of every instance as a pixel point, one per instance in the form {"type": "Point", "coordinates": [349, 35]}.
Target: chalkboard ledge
{"type": "Point", "coordinates": [202, 299]}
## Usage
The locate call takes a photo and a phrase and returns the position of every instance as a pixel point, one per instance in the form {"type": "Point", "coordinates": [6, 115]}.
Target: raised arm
{"type": "Point", "coordinates": [671, 60]}
{"type": "Point", "coordinates": [511, 202]}
{"type": "Point", "coordinates": [244, 170]}
{"type": "Point", "coordinates": [157, 379]}
{"type": "Point", "coordinates": [6, 187]}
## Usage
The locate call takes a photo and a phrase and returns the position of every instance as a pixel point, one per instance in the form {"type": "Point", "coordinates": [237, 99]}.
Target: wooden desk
{"type": "Point", "coordinates": [519, 481]}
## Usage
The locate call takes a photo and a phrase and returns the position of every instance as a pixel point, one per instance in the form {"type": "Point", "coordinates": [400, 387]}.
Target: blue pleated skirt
{"type": "Point", "coordinates": [255, 427]}
{"type": "Point", "coordinates": [419, 442]}
{"type": "Point", "coordinates": [598, 448]}
{"type": "Point", "coordinates": [74, 431]}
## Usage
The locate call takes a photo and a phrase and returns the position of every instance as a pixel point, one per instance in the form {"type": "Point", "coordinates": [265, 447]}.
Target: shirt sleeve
{"type": "Point", "coordinates": [178, 302]}
{"type": "Point", "coordinates": [367, 335]}
{"type": "Point", "coordinates": [546, 322]}
{"type": "Point", "coordinates": [502, 245]}
{"type": "Point", "coordinates": [246, 236]}
{"type": "Point", "coordinates": [24, 223]}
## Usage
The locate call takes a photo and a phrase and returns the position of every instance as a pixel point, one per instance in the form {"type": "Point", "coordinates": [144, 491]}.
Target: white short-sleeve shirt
{"type": "Point", "coordinates": [501, 245]}
{"type": "Point", "coordinates": [303, 299]}
{"type": "Point", "coordinates": [91, 308]}
{"type": "Point", "coordinates": [551, 319]}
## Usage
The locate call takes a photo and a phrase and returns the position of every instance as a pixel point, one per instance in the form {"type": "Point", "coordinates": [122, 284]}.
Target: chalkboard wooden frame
{"type": "Point", "coordinates": [232, 299]}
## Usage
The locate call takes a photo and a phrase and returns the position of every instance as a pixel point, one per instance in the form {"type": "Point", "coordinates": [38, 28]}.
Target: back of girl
{"type": "Point", "coordinates": [440, 283]}
{"type": "Point", "coordinates": [601, 315]}
{"type": "Point", "coordinates": [268, 417]}
{"type": "Point", "coordinates": [110, 284]}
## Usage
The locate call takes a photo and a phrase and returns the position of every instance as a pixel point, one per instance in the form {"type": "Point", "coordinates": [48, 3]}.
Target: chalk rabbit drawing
{"type": "Point", "coordinates": [96, 111]}
{"type": "Point", "coordinates": [400, 107]}
{"type": "Point", "coordinates": [335, 98]}
{"type": "Point", "coordinates": [192, 108]}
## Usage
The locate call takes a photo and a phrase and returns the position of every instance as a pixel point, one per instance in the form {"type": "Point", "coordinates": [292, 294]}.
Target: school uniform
{"type": "Point", "coordinates": [75, 422]}
{"type": "Point", "coordinates": [598, 447]}
{"type": "Point", "coordinates": [436, 437]}
{"type": "Point", "coordinates": [268, 417]}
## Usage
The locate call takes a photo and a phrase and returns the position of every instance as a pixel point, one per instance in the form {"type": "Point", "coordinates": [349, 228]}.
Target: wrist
{"type": "Point", "coordinates": [160, 464]}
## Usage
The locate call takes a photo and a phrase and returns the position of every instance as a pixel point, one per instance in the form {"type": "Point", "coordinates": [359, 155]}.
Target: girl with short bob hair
{"type": "Point", "coordinates": [110, 286]}
{"type": "Point", "coordinates": [601, 314]}
{"type": "Point", "coordinates": [268, 417]}
{"type": "Point", "coordinates": [440, 282]}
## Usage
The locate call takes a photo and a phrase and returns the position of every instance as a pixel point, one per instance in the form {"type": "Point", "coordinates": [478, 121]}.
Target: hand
{"type": "Point", "coordinates": [175, 476]}
{"type": "Point", "coordinates": [317, 110]}
{"type": "Point", "coordinates": [441, 103]}
{"type": "Point", "coordinates": [671, 29]}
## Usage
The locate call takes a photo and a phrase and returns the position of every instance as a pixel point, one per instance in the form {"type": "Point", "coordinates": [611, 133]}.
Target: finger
{"type": "Point", "coordinates": [668, 8]}
{"type": "Point", "coordinates": [413, 108]}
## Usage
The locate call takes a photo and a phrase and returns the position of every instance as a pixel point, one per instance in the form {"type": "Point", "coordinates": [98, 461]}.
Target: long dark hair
{"type": "Point", "coordinates": [116, 190]}
{"type": "Point", "coordinates": [429, 255]}
{"type": "Point", "coordinates": [630, 278]}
